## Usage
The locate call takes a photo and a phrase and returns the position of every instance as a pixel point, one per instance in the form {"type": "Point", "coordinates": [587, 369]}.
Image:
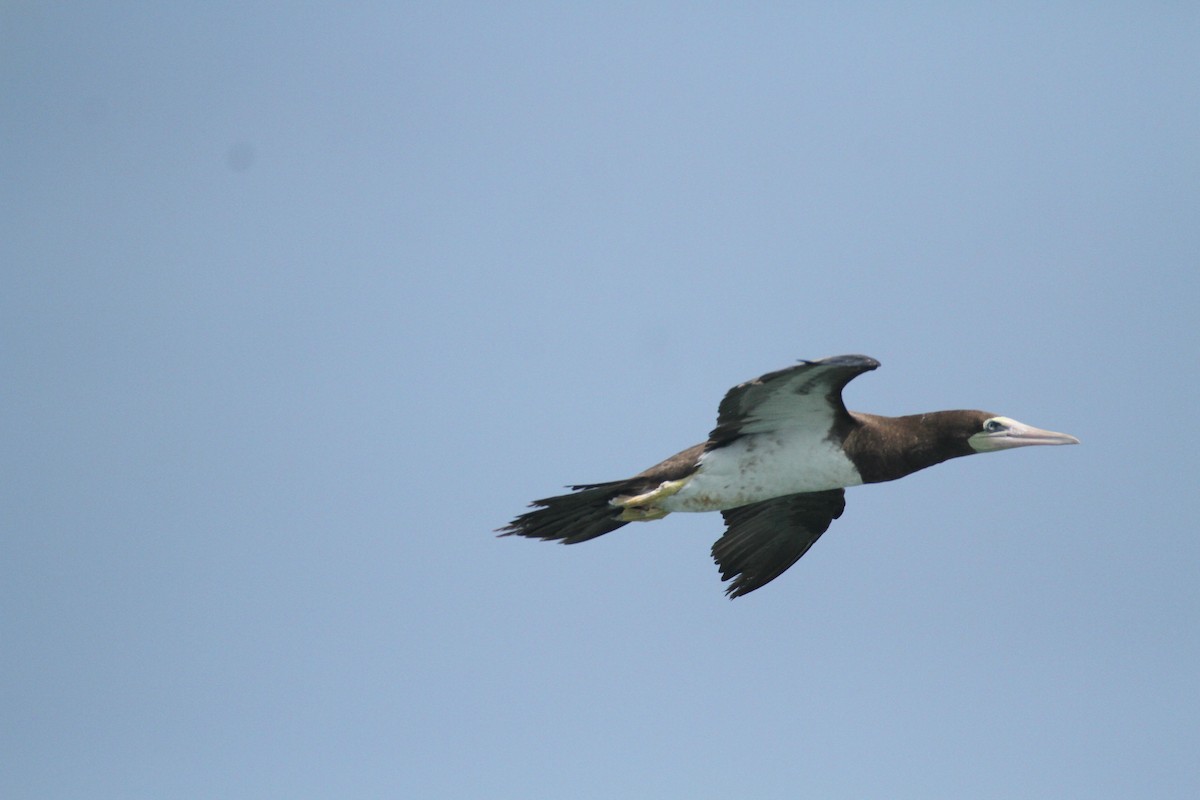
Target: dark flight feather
{"type": "Point", "coordinates": [571, 518]}
{"type": "Point", "coordinates": [763, 539]}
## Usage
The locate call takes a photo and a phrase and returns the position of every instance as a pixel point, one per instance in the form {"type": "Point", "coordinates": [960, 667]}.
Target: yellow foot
{"type": "Point", "coordinates": [643, 507]}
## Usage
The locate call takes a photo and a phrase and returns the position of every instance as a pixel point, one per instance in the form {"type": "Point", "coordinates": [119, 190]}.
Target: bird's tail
{"type": "Point", "coordinates": [572, 518]}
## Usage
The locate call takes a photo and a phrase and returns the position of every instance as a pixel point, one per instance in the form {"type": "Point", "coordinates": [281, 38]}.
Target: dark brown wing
{"type": "Point", "coordinates": [763, 539]}
{"type": "Point", "coordinates": [806, 395]}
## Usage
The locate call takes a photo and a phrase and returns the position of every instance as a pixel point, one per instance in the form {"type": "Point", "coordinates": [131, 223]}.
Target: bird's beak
{"type": "Point", "coordinates": [1018, 434]}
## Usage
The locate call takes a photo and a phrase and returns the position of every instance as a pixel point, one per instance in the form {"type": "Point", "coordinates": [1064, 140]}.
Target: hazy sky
{"type": "Point", "coordinates": [298, 304]}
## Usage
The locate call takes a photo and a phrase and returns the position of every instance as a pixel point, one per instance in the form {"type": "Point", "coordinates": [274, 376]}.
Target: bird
{"type": "Point", "coordinates": [776, 466]}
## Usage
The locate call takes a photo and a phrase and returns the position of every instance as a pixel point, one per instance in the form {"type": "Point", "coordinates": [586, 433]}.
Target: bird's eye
{"type": "Point", "coordinates": [993, 426]}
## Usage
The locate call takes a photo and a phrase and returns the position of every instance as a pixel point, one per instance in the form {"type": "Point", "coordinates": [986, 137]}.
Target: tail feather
{"type": "Point", "coordinates": [571, 518]}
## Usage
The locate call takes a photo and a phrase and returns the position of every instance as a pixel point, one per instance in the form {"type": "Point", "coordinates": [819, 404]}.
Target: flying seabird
{"type": "Point", "coordinates": [776, 466]}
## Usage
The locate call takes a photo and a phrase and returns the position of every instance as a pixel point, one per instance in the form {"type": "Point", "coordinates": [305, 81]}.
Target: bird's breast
{"type": "Point", "coordinates": [762, 466]}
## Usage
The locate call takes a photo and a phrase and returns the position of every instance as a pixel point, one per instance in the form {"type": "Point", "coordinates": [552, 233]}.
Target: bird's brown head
{"type": "Point", "coordinates": [886, 448]}
{"type": "Point", "coordinates": [993, 432]}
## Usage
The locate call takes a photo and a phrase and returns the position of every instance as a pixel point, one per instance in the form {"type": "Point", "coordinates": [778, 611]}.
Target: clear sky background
{"type": "Point", "coordinates": [298, 305]}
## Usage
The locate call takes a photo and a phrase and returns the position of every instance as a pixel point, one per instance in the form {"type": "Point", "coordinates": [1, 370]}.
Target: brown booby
{"type": "Point", "coordinates": [776, 467]}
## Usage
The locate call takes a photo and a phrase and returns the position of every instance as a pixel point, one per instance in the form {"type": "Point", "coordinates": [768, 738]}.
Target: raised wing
{"type": "Point", "coordinates": [806, 395]}
{"type": "Point", "coordinates": [763, 539]}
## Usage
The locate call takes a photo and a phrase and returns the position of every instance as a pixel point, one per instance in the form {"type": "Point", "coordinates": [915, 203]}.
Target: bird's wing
{"type": "Point", "coordinates": [763, 539]}
{"type": "Point", "coordinates": [806, 395]}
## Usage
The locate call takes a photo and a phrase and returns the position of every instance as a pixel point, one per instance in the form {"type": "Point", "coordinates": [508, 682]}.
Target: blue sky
{"type": "Point", "coordinates": [300, 303]}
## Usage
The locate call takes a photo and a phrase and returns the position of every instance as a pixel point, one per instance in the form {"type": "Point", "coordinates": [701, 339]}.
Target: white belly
{"type": "Point", "coordinates": [762, 466]}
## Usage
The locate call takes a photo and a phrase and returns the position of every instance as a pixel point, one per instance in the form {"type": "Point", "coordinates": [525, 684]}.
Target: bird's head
{"type": "Point", "coordinates": [992, 432]}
